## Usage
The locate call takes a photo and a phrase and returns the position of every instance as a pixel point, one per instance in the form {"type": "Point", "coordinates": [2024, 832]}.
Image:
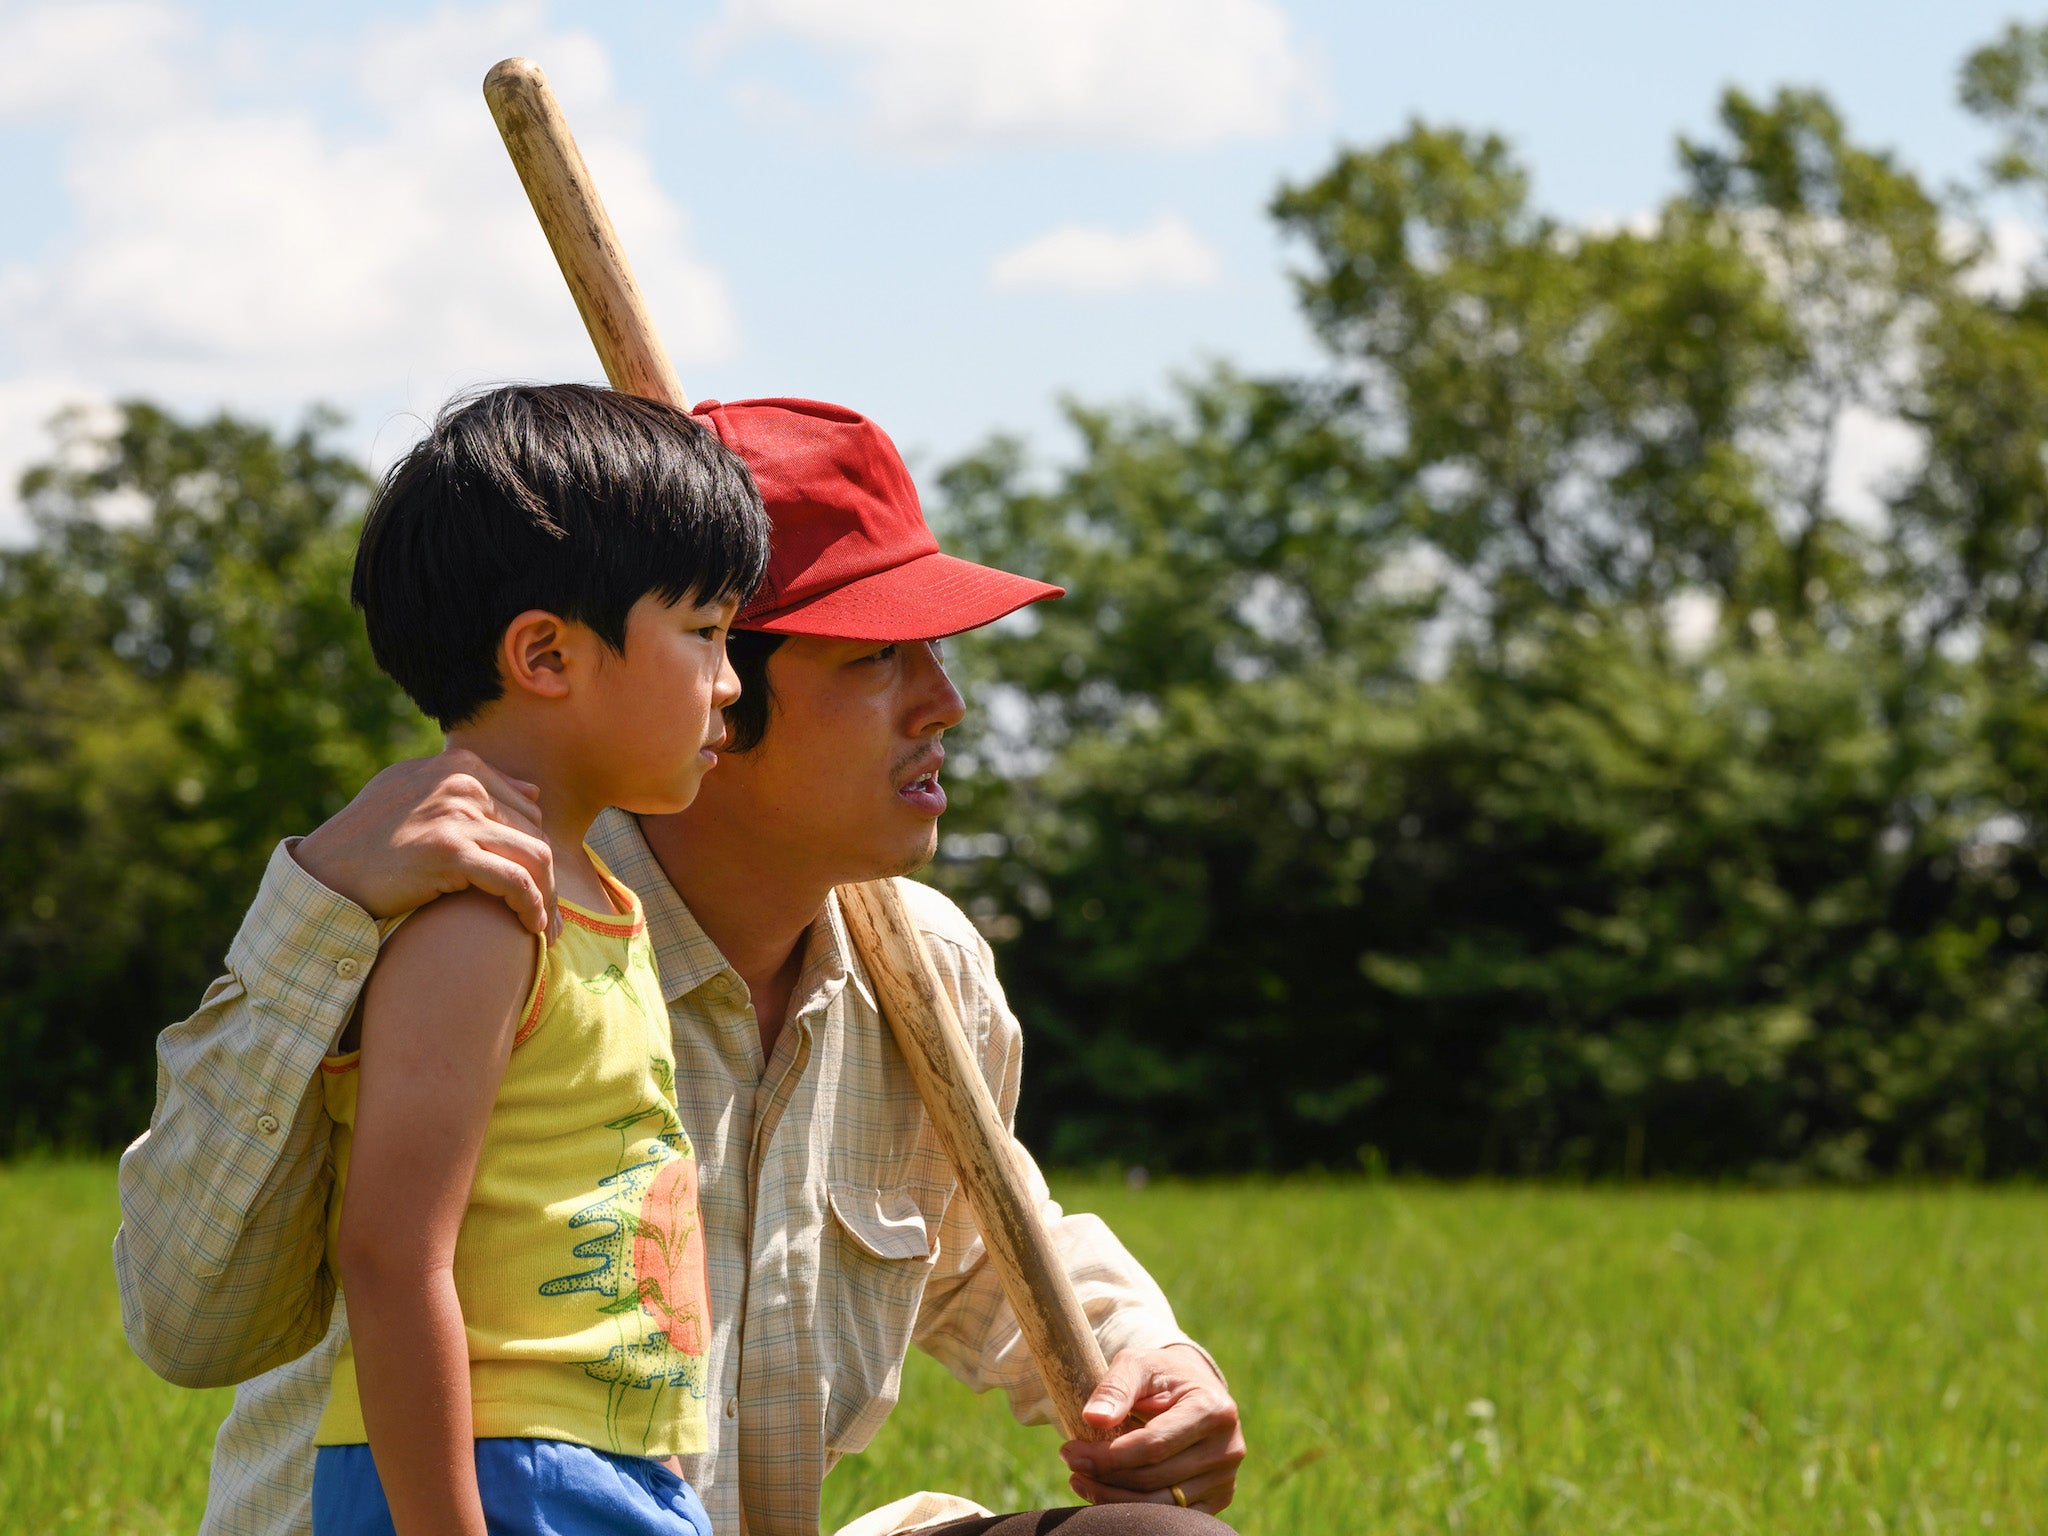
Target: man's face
{"type": "Point", "coordinates": [844, 785]}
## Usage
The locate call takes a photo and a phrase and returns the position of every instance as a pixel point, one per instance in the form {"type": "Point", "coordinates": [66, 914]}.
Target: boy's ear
{"type": "Point", "coordinates": [531, 654]}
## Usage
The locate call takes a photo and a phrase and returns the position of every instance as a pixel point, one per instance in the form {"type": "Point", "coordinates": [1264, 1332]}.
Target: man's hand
{"type": "Point", "coordinates": [1187, 1433]}
{"type": "Point", "coordinates": [432, 825]}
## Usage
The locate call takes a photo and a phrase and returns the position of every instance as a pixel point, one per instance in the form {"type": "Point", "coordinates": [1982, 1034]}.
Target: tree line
{"type": "Point", "coordinates": [1507, 748]}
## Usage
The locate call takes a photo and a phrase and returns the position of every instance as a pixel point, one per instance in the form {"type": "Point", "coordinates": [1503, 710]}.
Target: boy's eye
{"type": "Point", "coordinates": [884, 654]}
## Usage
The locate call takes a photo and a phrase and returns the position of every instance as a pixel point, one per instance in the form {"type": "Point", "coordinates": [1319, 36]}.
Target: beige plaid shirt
{"type": "Point", "coordinates": [835, 1240]}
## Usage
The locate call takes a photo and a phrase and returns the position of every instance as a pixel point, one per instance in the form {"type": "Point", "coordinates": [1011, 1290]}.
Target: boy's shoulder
{"type": "Point", "coordinates": [466, 911]}
{"type": "Point", "coordinates": [461, 957]}
{"type": "Point", "coordinates": [467, 931]}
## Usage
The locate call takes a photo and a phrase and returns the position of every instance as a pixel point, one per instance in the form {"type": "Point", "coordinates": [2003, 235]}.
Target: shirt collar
{"type": "Point", "coordinates": [833, 932]}
{"type": "Point", "coordinates": [683, 954]}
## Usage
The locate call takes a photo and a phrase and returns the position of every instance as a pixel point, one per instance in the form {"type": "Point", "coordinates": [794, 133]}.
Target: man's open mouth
{"type": "Point", "coordinates": [923, 790]}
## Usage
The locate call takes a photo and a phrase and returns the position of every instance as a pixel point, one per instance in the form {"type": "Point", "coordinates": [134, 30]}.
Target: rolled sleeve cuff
{"type": "Point", "coordinates": [1142, 1328]}
{"type": "Point", "coordinates": [303, 952]}
{"type": "Point", "coordinates": [238, 1098]}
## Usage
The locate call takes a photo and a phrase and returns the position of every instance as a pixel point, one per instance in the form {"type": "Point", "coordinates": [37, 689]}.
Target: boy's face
{"type": "Point", "coordinates": [658, 706]}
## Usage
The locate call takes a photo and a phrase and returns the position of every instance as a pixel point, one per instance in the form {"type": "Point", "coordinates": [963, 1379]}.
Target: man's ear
{"type": "Point", "coordinates": [532, 654]}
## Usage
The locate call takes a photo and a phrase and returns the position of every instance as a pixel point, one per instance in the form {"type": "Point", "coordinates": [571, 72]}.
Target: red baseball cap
{"type": "Point", "coordinates": [851, 556]}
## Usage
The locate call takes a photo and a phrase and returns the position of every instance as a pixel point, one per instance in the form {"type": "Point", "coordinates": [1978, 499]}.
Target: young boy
{"type": "Point", "coordinates": [550, 575]}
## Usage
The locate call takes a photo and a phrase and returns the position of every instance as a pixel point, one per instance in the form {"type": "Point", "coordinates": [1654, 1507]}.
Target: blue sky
{"type": "Point", "coordinates": [942, 212]}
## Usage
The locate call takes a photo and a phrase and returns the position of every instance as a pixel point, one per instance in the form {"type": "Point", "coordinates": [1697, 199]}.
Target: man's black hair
{"type": "Point", "coordinates": [563, 497]}
{"type": "Point", "coordinates": [746, 718]}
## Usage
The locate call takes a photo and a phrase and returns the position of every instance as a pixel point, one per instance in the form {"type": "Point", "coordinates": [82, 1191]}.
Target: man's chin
{"type": "Point", "coordinates": [908, 856]}
{"type": "Point", "coordinates": [906, 867]}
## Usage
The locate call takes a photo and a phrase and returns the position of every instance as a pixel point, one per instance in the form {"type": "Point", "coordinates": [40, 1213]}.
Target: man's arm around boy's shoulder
{"type": "Point", "coordinates": [224, 1198]}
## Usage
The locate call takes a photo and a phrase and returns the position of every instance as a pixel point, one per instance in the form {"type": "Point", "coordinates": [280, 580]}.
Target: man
{"type": "Point", "coordinates": [835, 1239]}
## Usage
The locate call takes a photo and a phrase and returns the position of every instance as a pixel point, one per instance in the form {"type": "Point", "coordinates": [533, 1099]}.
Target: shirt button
{"type": "Point", "coordinates": [267, 1124]}
{"type": "Point", "coordinates": [346, 967]}
{"type": "Point", "coordinates": [732, 1407]}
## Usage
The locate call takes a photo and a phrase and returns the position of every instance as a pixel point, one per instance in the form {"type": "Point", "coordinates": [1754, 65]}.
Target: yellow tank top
{"type": "Point", "coordinates": [580, 1260]}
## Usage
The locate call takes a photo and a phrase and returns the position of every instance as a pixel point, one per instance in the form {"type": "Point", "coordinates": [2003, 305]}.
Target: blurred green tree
{"type": "Point", "coordinates": [1515, 750]}
{"type": "Point", "coordinates": [182, 682]}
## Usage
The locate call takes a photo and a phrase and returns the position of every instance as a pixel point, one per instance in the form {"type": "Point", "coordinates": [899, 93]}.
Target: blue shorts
{"type": "Point", "coordinates": [529, 1487]}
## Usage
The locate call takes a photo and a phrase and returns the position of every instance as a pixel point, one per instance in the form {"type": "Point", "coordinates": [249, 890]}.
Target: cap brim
{"type": "Point", "coordinates": [924, 599]}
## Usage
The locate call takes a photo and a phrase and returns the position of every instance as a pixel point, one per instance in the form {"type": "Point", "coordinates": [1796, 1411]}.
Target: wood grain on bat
{"type": "Point", "coordinates": [919, 1012]}
{"type": "Point", "coordinates": [580, 232]}
{"type": "Point", "coordinates": [978, 1145]}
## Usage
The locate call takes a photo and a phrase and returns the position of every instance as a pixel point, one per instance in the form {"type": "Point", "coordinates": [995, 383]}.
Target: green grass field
{"type": "Point", "coordinates": [1409, 1359]}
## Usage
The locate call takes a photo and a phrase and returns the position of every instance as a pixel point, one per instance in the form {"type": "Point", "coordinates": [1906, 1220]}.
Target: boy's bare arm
{"type": "Point", "coordinates": [439, 1015]}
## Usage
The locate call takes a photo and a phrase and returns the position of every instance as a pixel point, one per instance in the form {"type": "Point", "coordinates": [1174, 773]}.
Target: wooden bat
{"type": "Point", "coordinates": [919, 1013]}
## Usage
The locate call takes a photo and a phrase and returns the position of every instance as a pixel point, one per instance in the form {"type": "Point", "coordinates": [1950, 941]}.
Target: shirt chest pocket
{"type": "Point", "coordinates": [884, 1256]}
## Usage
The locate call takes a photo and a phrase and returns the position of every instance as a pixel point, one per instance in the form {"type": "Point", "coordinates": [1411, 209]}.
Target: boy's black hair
{"type": "Point", "coordinates": [564, 497]}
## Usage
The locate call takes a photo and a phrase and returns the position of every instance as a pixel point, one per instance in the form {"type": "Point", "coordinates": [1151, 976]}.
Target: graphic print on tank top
{"type": "Point", "coordinates": [647, 1259]}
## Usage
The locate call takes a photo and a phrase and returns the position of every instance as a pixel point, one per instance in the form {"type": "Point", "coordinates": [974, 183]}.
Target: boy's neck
{"type": "Point", "coordinates": [565, 812]}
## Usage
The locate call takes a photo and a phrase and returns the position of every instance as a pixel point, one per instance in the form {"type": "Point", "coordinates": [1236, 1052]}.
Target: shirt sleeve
{"type": "Point", "coordinates": [220, 1253]}
{"type": "Point", "coordinates": [965, 1321]}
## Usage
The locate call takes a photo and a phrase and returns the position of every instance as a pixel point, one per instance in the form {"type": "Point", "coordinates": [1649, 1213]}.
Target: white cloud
{"type": "Point", "coordinates": [940, 75]}
{"type": "Point", "coordinates": [2010, 261]}
{"type": "Point", "coordinates": [27, 404]}
{"type": "Point", "coordinates": [1077, 259]}
{"type": "Point", "coordinates": [97, 57]}
{"type": "Point", "coordinates": [259, 256]}
{"type": "Point", "coordinates": [1874, 455]}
